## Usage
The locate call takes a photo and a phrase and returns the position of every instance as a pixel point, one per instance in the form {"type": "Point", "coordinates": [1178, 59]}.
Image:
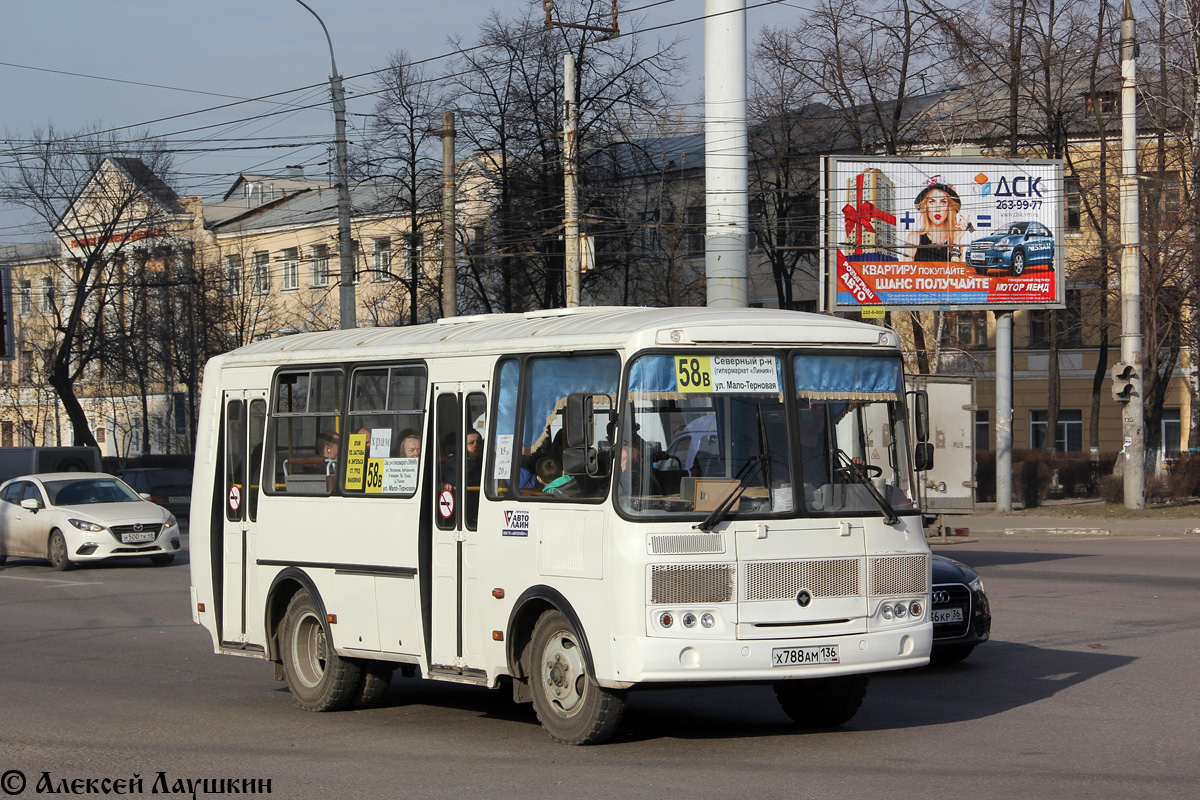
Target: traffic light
{"type": "Point", "coordinates": [1123, 381]}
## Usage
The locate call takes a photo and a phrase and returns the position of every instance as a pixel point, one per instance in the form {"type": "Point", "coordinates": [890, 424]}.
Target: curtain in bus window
{"type": "Point", "coordinates": [828, 377]}
{"type": "Point", "coordinates": [656, 374]}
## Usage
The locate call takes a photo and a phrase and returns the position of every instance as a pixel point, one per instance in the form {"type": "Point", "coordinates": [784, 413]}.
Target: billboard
{"type": "Point", "coordinates": [943, 233]}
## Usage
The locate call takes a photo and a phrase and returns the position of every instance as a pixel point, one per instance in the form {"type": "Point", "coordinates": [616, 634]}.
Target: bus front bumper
{"type": "Point", "coordinates": [643, 659]}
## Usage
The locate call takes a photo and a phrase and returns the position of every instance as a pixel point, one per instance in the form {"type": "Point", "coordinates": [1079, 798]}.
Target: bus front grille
{"type": "Point", "coordinates": [691, 583]}
{"type": "Point", "coordinates": [899, 575]}
{"type": "Point", "coordinates": [781, 580]}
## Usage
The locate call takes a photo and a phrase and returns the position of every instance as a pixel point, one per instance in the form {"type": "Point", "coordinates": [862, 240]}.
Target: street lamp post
{"type": "Point", "coordinates": [346, 304]}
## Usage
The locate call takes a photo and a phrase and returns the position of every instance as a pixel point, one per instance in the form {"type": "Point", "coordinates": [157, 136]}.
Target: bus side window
{"type": "Point", "coordinates": [305, 440]}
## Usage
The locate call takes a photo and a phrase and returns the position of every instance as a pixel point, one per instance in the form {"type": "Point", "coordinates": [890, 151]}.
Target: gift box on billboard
{"type": "Point", "coordinates": [870, 216]}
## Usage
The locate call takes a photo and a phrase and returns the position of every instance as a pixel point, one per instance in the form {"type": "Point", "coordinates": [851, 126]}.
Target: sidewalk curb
{"type": "Point", "coordinates": [1057, 532]}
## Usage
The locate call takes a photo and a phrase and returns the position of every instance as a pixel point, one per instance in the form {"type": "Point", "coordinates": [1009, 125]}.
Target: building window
{"type": "Point", "coordinates": [983, 432]}
{"type": "Point", "coordinates": [1069, 435]}
{"type": "Point", "coordinates": [1102, 102]}
{"type": "Point", "coordinates": [233, 275]}
{"type": "Point", "coordinates": [1172, 433]}
{"type": "Point", "coordinates": [27, 365]}
{"type": "Point", "coordinates": [381, 260]}
{"type": "Point", "coordinates": [1163, 199]}
{"type": "Point", "coordinates": [651, 233]}
{"type": "Point", "coordinates": [289, 263]}
{"type": "Point", "coordinates": [25, 298]}
{"type": "Point", "coordinates": [1069, 321]}
{"type": "Point", "coordinates": [318, 255]}
{"type": "Point", "coordinates": [261, 273]}
{"type": "Point", "coordinates": [135, 435]}
{"type": "Point", "coordinates": [6, 434]}
{"type": "Point", "coordinates": [964, 329]}
{"type": "Point", "coordinates": [695, 231]}
{"type": "Point", "coordinates": [46, 290]}
{"type": "Point", "coordinates": [1074, 204]}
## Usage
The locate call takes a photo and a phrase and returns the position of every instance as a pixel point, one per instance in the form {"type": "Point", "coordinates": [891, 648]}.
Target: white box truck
{"type": "Point", "coordinates": [15, 461]}
{"type": "Point", "coordinates": [949, 486]}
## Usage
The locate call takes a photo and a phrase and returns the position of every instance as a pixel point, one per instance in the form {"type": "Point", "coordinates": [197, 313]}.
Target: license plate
{"type": "Point", "coordinates": [138, 536]}
{"type": "Point", "coordinates": [800, 656]}
{"type": "Point", "coordinates": [976, 258]}
{"type": "Point", "coordinates": [941, 615]}
{"type": "Point", "coordinates": [179, 499]}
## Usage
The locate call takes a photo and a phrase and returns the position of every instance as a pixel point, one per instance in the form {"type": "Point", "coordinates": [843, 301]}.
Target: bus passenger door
{"type": "Point", "coordinates": [245, 422]}
{"type": "Point", "coordinates": [459, 426]}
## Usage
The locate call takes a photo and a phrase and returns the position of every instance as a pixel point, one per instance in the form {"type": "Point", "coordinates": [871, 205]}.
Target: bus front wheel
{"type": "Point", "coordinates": [822, 702]}
{"type": "Point", "coordinates": [320, 679]}
{"type": "Point", "coordinates": [572, 707]}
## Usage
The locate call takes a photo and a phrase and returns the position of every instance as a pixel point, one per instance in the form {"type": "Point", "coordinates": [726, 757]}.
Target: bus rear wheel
{"type": "Point", "coordinates": [822, 702]}
{"type": "Point", "coordinates": [320, 679]}
{"type": "Point", "coordinates": [374, 683]}
{"type": "Point", "coordinates": [572, 707]}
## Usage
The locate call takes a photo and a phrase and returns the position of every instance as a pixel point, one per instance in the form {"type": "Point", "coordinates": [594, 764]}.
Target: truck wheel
{"type": "Point", "coordinates": [56, 551]}
{"type": "Point", "coordinates": [572, 707]}
{"type": "Point", "coordinates": [319, 678]}
{"type": "Point", "coordinates": [822, 702]}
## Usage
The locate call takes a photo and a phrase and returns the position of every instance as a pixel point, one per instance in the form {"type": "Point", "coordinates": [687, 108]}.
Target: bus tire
{"type": "Point", "coordinates": [320, 679]}
{"type": "Point", "coordinates": [822, 702]}
{"type": "Point", "coordinates": [572, 707]}
{"type": "Point", "coordinates": [56, 551]}
{"type": "Point", "coordinates": [374, 683]}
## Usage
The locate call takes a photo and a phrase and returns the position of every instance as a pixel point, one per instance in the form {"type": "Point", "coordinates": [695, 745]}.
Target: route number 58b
{"type": "Point", "coordinates": [693, 374]}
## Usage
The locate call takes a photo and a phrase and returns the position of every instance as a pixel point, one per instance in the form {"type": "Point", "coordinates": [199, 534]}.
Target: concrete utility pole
{"type": "Point", "coordinates": [570, 181]}
{"type": "Point", "coordinates": [449, 260]}
{"type": "Point", "coordinates": [1127, 375]}
{"type": "Point", "coordinates": [346, 304]}
{"type": "Point", "coordinates": [726, 154]}
{"type": "Point", "coordinates": [1004, 410]}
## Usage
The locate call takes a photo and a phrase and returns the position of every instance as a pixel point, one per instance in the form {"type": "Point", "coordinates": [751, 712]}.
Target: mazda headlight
{"type": "Point", "coordinates": [171, 522]}
{"type": "Point", "coordinates": [84, 525]}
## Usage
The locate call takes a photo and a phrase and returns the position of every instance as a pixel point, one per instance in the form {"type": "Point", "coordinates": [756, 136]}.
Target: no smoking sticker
{"type": "Point", "coordinates": [235, 498]}
{"type": "Point", "coordinates": [446, 504]}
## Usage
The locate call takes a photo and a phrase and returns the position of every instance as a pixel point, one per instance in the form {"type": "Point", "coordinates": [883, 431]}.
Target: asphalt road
{"type": "Point", "coordinates": [1089, 688]}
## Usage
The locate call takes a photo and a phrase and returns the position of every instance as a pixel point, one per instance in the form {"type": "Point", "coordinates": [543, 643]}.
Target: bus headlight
{"type": "Point", "coordinates": [886, 612]}
{"type": "Point", "coordinates": [707, 620]}
{"type": "Point", "coordinates": [689, 620]}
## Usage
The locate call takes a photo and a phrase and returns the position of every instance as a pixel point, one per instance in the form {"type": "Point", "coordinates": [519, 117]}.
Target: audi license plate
{"type": "Point", "coordinates": [941, 615]}
{"type": "Point", "coordinates": [800, 656]}
{"type": "Point", "coordinates": [137, 536]}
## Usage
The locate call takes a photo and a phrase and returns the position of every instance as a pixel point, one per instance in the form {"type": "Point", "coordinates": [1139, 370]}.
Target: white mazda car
{"type": "Point", "coordinates": [73, 517]}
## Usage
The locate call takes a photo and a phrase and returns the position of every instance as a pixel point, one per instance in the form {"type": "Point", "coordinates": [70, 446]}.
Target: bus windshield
{"type": "Point", "coordinates": [762, 435]}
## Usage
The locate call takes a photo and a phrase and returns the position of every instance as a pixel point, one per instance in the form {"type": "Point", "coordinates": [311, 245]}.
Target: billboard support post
{"type": "Point", "coordinates": [1004, 410]}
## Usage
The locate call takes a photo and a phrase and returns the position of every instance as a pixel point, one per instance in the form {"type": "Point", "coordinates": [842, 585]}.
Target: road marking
{"type": "Point", "coordinates": [56, 581]}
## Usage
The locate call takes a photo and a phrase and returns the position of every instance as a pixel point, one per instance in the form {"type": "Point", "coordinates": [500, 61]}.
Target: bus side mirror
{"type": "Point", "coordinates": [923, 456]}
{"type": "Point", "coordinates": [578, 422]}
{"type": "Point", "coordinates": [920, 412]}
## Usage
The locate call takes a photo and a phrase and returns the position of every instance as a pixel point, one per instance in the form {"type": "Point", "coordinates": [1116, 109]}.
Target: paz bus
{"type": "Point", "coordinates": [571, 504]}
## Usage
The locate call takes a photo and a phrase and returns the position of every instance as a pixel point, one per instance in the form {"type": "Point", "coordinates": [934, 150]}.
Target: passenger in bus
{"type": "Point", "coordinates": [633, 476]}
{"type": "Point", "coordinates": [327, 446]}
{"type": "Point", "coordinates": [553, 480]}
{"type": "Point", "coordinates": [474, 463]}
{"type": "Point", "coordinates": [410, 446]}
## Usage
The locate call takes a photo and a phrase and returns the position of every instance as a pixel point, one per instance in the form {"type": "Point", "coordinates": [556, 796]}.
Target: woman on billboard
{"type": "Point", "coordinates": [936, 239]}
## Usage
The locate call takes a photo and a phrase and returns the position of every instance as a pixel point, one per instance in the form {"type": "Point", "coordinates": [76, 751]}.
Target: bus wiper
{"type": "Point", "coordinates": [859, 473]}
{"type": "Point", "coordinates": [744, 475]}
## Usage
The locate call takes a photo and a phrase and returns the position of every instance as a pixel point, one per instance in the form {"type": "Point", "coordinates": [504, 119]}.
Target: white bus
{"type": "Point", "coordinates": [574, 502]}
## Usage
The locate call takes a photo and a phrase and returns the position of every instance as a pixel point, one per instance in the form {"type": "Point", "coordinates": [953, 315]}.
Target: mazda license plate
{"type": "Point", "coordinates": [137, 536]}
{"type": "Point", "coordinates": [800, 656]}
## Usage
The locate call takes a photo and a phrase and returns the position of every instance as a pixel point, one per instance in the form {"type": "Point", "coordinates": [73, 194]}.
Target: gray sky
{"type": "Point", "coordinates": [237, 49]}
